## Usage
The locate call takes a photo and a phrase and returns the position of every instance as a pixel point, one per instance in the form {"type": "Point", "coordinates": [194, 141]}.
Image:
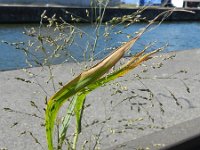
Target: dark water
{"type": "Point", "coordinates": [179, 36]}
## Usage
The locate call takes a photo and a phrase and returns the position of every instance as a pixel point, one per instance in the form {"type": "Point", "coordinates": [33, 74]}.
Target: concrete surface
{"type": "Point", "coordinates": [183, 136]}
{"type": "Point", "coordinates": [111, 117]}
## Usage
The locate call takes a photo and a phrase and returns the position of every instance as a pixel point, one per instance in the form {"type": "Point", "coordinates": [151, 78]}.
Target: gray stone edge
{"type": "Point", "coordinates": [183, 136]}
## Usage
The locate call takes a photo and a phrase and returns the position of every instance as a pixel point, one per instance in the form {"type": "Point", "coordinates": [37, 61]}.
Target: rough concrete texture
{"type": "Point", "coordinates": [183, 136]}
{"type": "Point", "coordinates": [114, 114]}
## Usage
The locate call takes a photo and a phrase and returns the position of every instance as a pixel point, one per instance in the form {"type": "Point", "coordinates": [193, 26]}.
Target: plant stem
{"type": "Point", "coordinates": [75, 140]}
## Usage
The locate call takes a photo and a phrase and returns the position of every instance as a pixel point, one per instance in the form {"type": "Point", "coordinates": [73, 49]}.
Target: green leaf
{"type": "Point", "coordinates": [131, 64]}
{"type": "Point", "coordinates": [78, 113]}
{"type": "Point", "coordinates": [79, 110]}
{"type": "Point", "coordinates": [66, 120]}
{"type": "Point", "coordinates": [79, 83]}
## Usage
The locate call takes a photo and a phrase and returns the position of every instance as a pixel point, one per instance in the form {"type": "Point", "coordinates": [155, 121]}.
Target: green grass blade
{"type": "Point", "coordinates": [65, 123]}
{"type": "Point", "coordinates": [79, 83]}
{"type": "Point", "coordinates": [79, 110]}
{"type": "Point", "coordinates": [134, 62]}
{"type": "Point", "coordinates": [78, 113]}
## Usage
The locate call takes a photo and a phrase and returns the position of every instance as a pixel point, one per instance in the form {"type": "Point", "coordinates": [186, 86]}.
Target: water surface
{"type": "Point", "coordinates": [178, 35]}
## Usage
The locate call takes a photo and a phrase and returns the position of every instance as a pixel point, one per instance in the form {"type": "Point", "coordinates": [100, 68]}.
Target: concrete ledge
{"type": "Point", "coordinates": [102, 104]}
{"type": "Point", "coordinates": [184, 136]}
{"type": "Point", "coordinates": [32, 13]}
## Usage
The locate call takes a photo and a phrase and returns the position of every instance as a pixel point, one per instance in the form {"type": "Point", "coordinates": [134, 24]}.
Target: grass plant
{"type": "Point", "coordinates": [44, 49]}
{"type": "Point", "coordinates": [86, 82]}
